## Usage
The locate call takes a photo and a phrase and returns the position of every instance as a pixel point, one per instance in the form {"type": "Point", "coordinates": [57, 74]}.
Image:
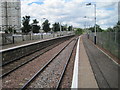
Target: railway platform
{"type": "Point", "coordinates": [95, 68]}
{"type": "Point", "coordinates": [18, 44]}
{"type": "Point", "coordinates": [86, 78]}
{"type": "Point", "coordinates": [92, 69]}
{"type": "Point", "coordinates": [21, 43]}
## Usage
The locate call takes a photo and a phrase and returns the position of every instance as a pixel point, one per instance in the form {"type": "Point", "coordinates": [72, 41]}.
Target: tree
{"type": "Point", "coordinates": [70, 28]}
{"type": "Point", "coordinates": [56, 27]}
{"type": "Point", "coordinates": [35, 27]}
{"type": "Point", "coordinates": [10, 30]}
{"type": "Point", "coordinates": [98, 28]}
{"type": "Point", "coordinates": [35, 21]}
{"type": "Point", "coordinates": [46, 26]}
{"type": "Point", "coordinates": [118, 23]}
{"type": "Point", "coordinates": [110, 29]}
{"type": "Point", "coordinates": [92, 29]}
{"type": "Point", "coordinates": [65, 27]}
{"type": "Point", "coordinates": [26, 26]}
{"type": "Point", "coordinates": [78, 31]}
{"type": "Point", "coordinates": [117, 27]}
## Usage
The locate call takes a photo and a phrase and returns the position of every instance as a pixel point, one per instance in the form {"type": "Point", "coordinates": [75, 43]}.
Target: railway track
{"type": "Point", "coordinates": [15, 64]}
{"type": "Point", "coordinates": [53, 68]}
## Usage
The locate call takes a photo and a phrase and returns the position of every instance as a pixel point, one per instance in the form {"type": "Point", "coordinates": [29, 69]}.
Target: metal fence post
{"type": "Point", "coordinates": [13, 39]}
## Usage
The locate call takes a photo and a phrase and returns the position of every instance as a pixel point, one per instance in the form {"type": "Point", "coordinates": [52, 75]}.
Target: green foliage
{"type": "Point", "coordinates": [56, 27]}
{"type": "Point", "coordinates": [116, 28]}
{"type": "Point", "coordinates": [70, 28]}
{"type": "Point", "coordinates": [98, 28]}
{"type": "Point", "coordinates": [35, 27]}
{"type": "Point", "coordinates": [10, 30]}
{"type": "Point", "coordinates": [35, 21]}
{"type": "Point", "coordinates": [26, 26]}
{"type": "Point", "coordinates": [79, 31]}
{"type": "Point", "coordinates": [65, 27]}
{"type": "Point", "coordinates": [110, 29]}
{"type": "Point", "coordinates": [92, 29]}
{"type": "Point", "coordinates": [46, 26]}
{"type": "Point", "coordinates": [118, 23]}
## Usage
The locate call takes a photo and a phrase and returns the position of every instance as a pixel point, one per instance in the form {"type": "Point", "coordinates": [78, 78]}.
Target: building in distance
{"type": "Point", "coordinates": [10, 14]}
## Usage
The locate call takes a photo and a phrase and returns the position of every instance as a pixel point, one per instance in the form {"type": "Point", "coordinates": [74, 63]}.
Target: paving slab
{"type": "Point", "coordinates": [86, 78]}
{"type": "Point", "coordinates": [104, 69]}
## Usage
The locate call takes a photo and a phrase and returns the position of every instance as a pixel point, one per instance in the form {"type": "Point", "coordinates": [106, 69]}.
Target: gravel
{"type": "Point", "coordinates": [18, 78]}
{"type": "Point", "coordinates": [67, 79]}
{"type": "Point", "coordinates": [16, 63]}
{"type": "Point", "coordinates": [50, 76]}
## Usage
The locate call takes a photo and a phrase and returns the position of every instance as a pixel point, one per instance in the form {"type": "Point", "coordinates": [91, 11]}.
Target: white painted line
{"type": "Point", "coordinates": [108, 56]}
{"type": "Point", "coordinates": [75, 72]}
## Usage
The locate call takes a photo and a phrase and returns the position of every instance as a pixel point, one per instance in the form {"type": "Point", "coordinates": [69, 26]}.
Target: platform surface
{"type": "Point", "coordinates": [25, 43]}
{"type": "Point", "coordinates": [18, 44]}
{"type": "Point", "coordinates": [86, 78]}
{"type": "Point", "coordinates": [96, 70]}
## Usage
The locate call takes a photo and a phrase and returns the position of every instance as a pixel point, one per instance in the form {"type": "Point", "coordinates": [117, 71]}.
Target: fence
{"type": "Point", "coordinates": [109, 41]}
{"type": "Point", "coordinates": [6, 39]}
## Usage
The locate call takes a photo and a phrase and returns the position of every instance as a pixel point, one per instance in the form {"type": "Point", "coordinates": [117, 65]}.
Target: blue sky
{"type": "Point", "coordinates": [72, 12]}
{"type": "Point", "coordinates": [39, 3]}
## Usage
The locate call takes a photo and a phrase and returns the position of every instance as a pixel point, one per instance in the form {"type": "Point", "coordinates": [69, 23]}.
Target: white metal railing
{"type": "Point", "coordinates": [16, 38]}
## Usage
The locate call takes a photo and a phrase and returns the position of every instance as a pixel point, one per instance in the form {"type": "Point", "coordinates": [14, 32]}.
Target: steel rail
{"type": "Point", "coordinates": [22, 56]}
{"type": "Point", "coordinates": [62, 75]}
{"type": "Point", "coordinates": [31, 59]}
{"type": "Point", "coordinates": [16, 59]}
{"type": "Point", "coordinates": [36, 74]}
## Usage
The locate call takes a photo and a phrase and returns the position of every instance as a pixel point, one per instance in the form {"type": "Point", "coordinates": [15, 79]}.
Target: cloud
{"type": "Point", "coordinates": [71, 12]}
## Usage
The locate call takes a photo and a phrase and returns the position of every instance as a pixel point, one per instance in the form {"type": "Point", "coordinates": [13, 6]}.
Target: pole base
{"type": "Point", "coordinates": [88, 36]}
{"type": "Point", "coordinates": [94, 39]}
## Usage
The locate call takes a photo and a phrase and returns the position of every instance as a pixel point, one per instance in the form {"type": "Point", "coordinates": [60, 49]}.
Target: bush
{"type": "Point", "coordinates": [79, 31]}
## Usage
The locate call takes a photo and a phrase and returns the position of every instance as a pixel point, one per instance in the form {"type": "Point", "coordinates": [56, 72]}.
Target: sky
{"type": "Point", "coordinates": [72, 12]}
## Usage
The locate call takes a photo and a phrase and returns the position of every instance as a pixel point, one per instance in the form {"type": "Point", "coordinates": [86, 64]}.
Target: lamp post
{"type": "Point", "coordinates": [18, 16]}
{"type": "Point", "coordinates": [42, 22]}
{"type": "Point", "coordinates": [87, 26]}
{"type": "Point", "coordinates": [42, 27]}
{"type": "Point", "coordinates": [95, 19]}
{"type": "Point", "coordinates": [60, 28]}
